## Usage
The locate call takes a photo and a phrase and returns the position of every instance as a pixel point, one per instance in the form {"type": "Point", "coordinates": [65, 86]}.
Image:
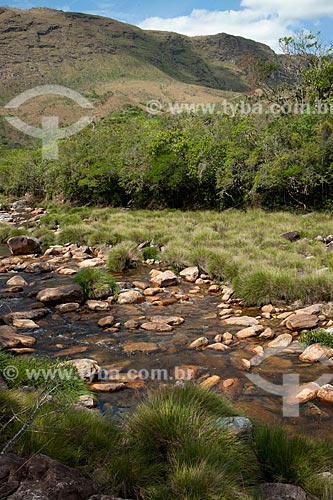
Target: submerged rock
{"type": "Point", "coordinates": [87, 368]}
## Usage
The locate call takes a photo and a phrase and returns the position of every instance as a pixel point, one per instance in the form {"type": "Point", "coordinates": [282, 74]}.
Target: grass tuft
{"type": "Point", "coordinates": [96, 283]}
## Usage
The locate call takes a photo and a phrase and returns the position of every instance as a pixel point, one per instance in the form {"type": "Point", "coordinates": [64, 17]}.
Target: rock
{"type": "Point", "coordinates": [281, 491]}
{"type": "Point", "coordinates": [291, 236]}
{"type": "Point", "coordinates": [131, 324]}
{"type": "Point", "coordinates": [240, 426]}
{"type": "Point", "coordinates": [267, 334]}
{"type": "Point", "coordinates": [325, 393]}
{"type": "Point", "coordinates": [281, 341]}
{"type": "Point", "coordinates": [166, 278]}
{"type": "Point", "coordinates": [327, 309]}
{"type": "Point", "coordinates": [67, 308]}
{"type": "Point", "coordinates": [314, 309]}
{"type": "Point", "coordinates": [41, 478]}
{"type": "Point", "coordinates": [268, 309]}
{"type": "Point", "coordinates": [218, 346]}
{"type": "Point", "coordinates": [87, 401]}
{"type": "Point", "coordinates": [140, 284]}
{"type": "Point", "coordinates": [98, 305]}
{"type": "Point", "coordinates": [88, 263]}
{"type": "Point", "coordinates": [170, 320]}
{"type": "Point", "coordinates": [67, 271]}
{"type": "Point", "coordinates": [186, 372]}
{"type": "Point", "coordinates": [140, 346]}
{"type": "Point", "coordinates": [190, 274]}
{"type": "Point", "coordinates": [24, 245]}
{"type": "Point", "coordinates": [25, 323]}
{"type": "Point", "coordinates": [246, 363]}
{"type": "Point", "coordinates": [199, 343]}
{"type": "Point", "coordinates": [251, 331]}
{"type": "Point", "coordinates": [242, 321]}
{"type": "Point", "coordinates": [316, 352]}
{"type": "Point", "coordinates": [130, 297]}
{"type": "Point", "coordinates": [308, 393]}
{"type": "Point", "coordinates": [39, 267]}
{"type": "Point", "coordinates": [156, 326]}
{"type": "Point", "coordinates": [61, 294]}
{"type": "Point", "coordinates": [87, 368]}
{"type": "Point", "coordinates": [227, 292]}
{"type": "Point", "coordinates": [10, 339]}
{"type": "Point", "coordinates": [150, 292]}
{"type": "Point", "coordinates": [32, 314]}
{"type": "Point", "coordinates": [106, 321]}
{"type": "Point", "coordinates": [17, 281]}
{"type": "Point", "coordinates": [107, 387]}
{"type": "Point", "coordinates": [210, 382]}
{"type": "Point", "coordinates": [302, 322]}
{"type": "Point", "coordinates": [4, 217]}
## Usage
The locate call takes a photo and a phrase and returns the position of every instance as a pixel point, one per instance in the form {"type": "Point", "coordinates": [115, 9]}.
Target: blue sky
{"type": "Point", "coordinates": [262, 20]}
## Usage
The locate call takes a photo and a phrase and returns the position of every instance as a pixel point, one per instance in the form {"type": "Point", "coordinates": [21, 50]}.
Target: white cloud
{"type": "Point", "coordinates": [262, 20]}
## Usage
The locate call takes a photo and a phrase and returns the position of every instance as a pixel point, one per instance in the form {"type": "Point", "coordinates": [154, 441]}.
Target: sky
{"type": "Point", "coordinates": [261, 20]}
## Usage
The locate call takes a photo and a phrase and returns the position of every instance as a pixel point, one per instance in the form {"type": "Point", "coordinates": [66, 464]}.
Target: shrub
{"type": "Point", "coordinates": [319, 336]}
{"type": "Point", "coordinates": [96, 283]}
{"type": "Point", "coordinates": [150, 253]}
{"type": "Point", "coordinates": [291, 459]}
{"type": "Point", "coordinates": [120, 257]}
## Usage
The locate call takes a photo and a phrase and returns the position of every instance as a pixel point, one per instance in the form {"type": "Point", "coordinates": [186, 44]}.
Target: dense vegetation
{"type": "Point", "coordinates": [184, 161]}
{"type": "Point", "coordinates": [173, 447]}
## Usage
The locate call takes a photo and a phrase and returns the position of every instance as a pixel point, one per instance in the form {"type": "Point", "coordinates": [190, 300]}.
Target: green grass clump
{"type": "Point", "coordinates": [174, 448]}
{"type": "Point", "coordinates": [7, 232]}
{"type": "Point", "coordinates": [96, 283]}
{"type": "Point", "coordinates": [120, 257]}
{"type": "Point", "coordinates": [292, 459]}
{"type": "Point", "coordinates": [150, 253]}
{"type": "Point", "coordinates": [319, 336]}
{"type": "Point", "coordinates": [77, 234]}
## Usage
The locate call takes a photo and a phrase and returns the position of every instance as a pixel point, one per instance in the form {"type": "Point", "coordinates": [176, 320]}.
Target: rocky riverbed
{"type": "Point", "coordinates": [163, 328]}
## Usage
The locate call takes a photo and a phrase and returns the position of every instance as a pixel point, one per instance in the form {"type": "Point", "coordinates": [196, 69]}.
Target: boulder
{"type": "Point", "coordinates": [87, 368]}
{"type": "Point", "coordinates": [10, 339]}
{"type": "Point", "coordinates": [24, 245]}
{"type": "Point", "coordinates": [25, 323]}
{"type": "Point", "coordinates": [325, 393]}
{"type": "Point", "coordinates": [291, 236]}
{"type": "Point", "coordinates": [280, 491]}
{"type": "Point", "coordinates": [106, 321]}
{"type": "Point", "coordinates": [166, 278]}
{"type": "Point", "coordinates": [316, 352]}
{"type": "Point", "coordinates": [67, 308]}
{"type": "Point", "coordinates": [131, 297]}
{"type": "Point", "coordinates": [302, 322]}
{"type": "Point", "coordinates": [190, 274]}
{"type": "Point", "coordinates": [170, 320]}
{"type": "Point", "coordinates": [41, 478]}
{"type": "Point", "coordinates": [61, 294]}
{"type": "Point", "coordinates": [239, 426]}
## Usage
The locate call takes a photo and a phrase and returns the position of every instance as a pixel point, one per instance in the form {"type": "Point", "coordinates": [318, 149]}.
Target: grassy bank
{"type": "Point", "coordinates": [243, 248]}
{"type": "Point", "coordinates": [174, 446]}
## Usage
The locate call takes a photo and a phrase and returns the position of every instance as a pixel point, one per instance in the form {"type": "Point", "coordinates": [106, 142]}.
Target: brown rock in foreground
{"type": "Point", "coordinates": [302, 322]}
{"type": "Point", "coordinates": [24, 245]}
{"type": "Point", "coordinates": [10, 339]}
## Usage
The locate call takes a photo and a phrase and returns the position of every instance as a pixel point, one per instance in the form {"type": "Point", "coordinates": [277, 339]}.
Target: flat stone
{"type": "Point", "coordinates": [32, 314]}
{"type": "Point", "coordinates": [156, 326]}
{"type": "Point", "coordinates": [106, 387]}
{"type": "Point", "coordinates": [170, 320]}
{"type": "Point", "coordinates": [281, 341]}
{"type": "Point", "coordinates": [67, 271]}
{"type": "Point", "coordinates": [17, 281]}
{"type": "Point", "coordinates": [10, 339]}
{"type": "Point", "coordinates": [106, 321]}
{"type": "Point", "coordinates": [151, 292]}
{"type": "Point", "coordinates": [251, 331]}
{"type": "Point", "coordinates": [132, 324]}
{"type": "Point", "coordinates": [314, 309]}
{"type": "Point", "coordinates": [210, 382]}
{"type": "Point", "coordinates": [190, 274]}
{"type": "Point", "coordinates": [140, 346]}
{"type": "Point", "coordinates": [25, 323]}
{"type": "Point", "coordinates": [61, 294]}
{"type": "Point", "coordinates": [242, 321]}
{"type": "Point", "coordinates": [130, 297]}
{"type": "Point", "coordinates": [218, 346]}
{"type": "Point", "coordinates": [88, 263]}
{"type": "Point", "coordinates": [302, 322]}
{"type": "Point", "coordinates": [166, 278]}
{"type": "Point", "coordinates": [19, 351]}
{"type": "Point", "coordinates": [67, 308]}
